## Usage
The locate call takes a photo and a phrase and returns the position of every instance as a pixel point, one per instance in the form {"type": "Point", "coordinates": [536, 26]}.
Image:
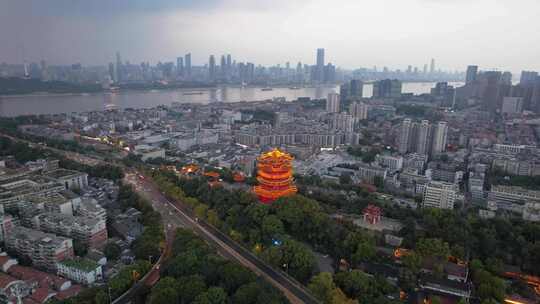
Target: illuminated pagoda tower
{"type": "Point", "coordinates": [274, 174]}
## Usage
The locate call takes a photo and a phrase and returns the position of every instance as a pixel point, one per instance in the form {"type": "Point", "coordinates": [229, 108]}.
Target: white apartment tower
{"type": "Point", "coordinates": [405, 135]}
{"type": "Point", "coordinates": [332, 103]}
{"type": "Point", "coordinates": [422, 137]}
{"type": "Point", "coordinates": [440, 195]}
{"type": "Point", "coordinates": [440, 134]}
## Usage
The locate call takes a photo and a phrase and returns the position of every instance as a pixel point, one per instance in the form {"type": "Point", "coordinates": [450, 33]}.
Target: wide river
{"type": "Point", "coordinates": [67, 103]}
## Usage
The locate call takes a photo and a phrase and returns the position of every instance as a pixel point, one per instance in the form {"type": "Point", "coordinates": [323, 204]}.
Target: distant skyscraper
{"type": "Point", "coordinates": [187, 59]}
{"type": "Point", "coordinates": [250, 72]}
{"type": "Point", "coordinates": [229, 62]}
{"type": "Point", "coordinates": [44, 70]}
{"type": "Point", "coordinates": [528, 78]}
{"type": "Point", "coordinates": [299, 72]}
{"type": "Point", "coordinates": [506, 78]}
{"type": "Point", "coordinates": [112, 71]}
{"type": "Point", "coordinates": [432, 66]}
{"type": "Point", "coordinates": [425, 69]}
{"type": "Point", "coordinates": [229, 69]}
{"type": "Point", "coordinates": [387, 88]}
{"type": "Point", "coordinates": [440, 134]}
{"type": "Point", "coordinates": [329, 73]}
{"type": "Point", "coordinates": [118, 68]}
{"type": "Point", "coordinates": [223, 66]}
{"type": "Point", "coordinates": [26, 73]}
{"type": "Point", "coordinates": [357, 88]}
{"type": "Point", "coordinates": [319, 73]}
{"type": "Point", "coordinates": [345, 90]}
{"type": "Point", "coordinates": [212, 68]}
{"type": "Point", "coordinates": [332, 103]}
{"type": "Point", "coordinates": [180, 66]}
{"type": "Point", "coordinates": [491, 97]}
{"type": "Point", "coordinates": [472, 71]}
{"type": "Point", "coordinates": [534, 104]}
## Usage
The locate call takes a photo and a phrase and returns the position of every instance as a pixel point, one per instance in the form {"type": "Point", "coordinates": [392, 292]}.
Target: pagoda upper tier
{"type": "Point", "coordinates": [275, 176]}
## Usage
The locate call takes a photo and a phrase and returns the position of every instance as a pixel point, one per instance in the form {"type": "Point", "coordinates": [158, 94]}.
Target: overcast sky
{"type": "Point", "coordinates": [499, 34]}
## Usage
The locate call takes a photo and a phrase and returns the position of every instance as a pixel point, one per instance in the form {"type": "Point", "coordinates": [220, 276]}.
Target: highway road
{"type": "Point", "coordinates": [176, 215]}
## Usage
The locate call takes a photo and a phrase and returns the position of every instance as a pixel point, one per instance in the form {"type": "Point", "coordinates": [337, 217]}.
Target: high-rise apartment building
{"type": "Point", "coordinates": [491, 83]}
{"type": "Point", "coordinates": [422, 137]}
{"type": "Point", "coordinates": [432, 66]}
{"type": "Point", "coordinates": [359, 110]}
{"type": "Point", "coordinates": [512, 105]}
{"type": "Point", "coordinates": [405, 136]}
{"type": "Point", "coordinates": [333, 103]}
{"type": "Point", "coordinates": [342, 122]}
{"type": "Point", "coordinates": [440, 134]}
{"type": "Point", "coordinates": [528, 78]}
{"type": "Point", "coordinates": [329, 73]}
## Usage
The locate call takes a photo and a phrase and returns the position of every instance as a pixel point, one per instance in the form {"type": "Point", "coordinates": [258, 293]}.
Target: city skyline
{"type": "Point", "coordinates": [411, 33]}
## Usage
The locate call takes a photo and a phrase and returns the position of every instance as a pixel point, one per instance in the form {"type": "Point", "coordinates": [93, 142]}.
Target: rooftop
{"type": "Point", "coordinates": [68, 220]}
{"type": "Point", "coordinates": [33, 236]}
{"type": "Point", "coordinates": [63, 173]}
{"type": "Point", "coordinates": [5, 280]}
{"type": "Point", "coordinates": [81, 264]}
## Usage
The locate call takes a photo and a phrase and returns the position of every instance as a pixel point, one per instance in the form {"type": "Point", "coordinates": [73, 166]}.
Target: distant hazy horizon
{"type": "Point", "coordinates": [494, 34]}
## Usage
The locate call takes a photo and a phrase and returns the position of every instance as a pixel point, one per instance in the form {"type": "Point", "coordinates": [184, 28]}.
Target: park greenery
{"type": "Point", "coordinates": [412, 110]}
{"type": "Point", "coordinates": [366, 156]}
{"type": "Point", "coordinates": [197, 274]}
{"type": "Point", "coordinates": [261, 115]}
{"type": "Point", "coordinates": [278, 232]}
{"type": "Point", "coordinates": [351, 287]}
{"type": "Point", "coordinates": [510, 240]}
{"type": "Point", "coordinates": [498, 177]}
